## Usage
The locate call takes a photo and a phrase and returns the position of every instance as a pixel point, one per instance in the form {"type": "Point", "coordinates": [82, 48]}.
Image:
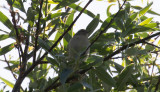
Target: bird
{"type": "Point", "coordinates": [78, 44]}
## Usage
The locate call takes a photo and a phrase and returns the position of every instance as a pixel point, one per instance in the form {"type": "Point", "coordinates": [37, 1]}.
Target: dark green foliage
{"type": "Point", "coordinates": [129, 69]}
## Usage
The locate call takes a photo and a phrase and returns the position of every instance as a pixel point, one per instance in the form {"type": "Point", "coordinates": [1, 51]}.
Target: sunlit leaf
{"type": "Point", "coordinates": [7, 82]}
{"type": "Point", "coordinates": [3, 37]}
{"type": "Point", "coordinates": [145, 21]}
{"type": "Point", "coordinates": [145, 9]}
{"type": "Point", "coordinates": [108, 10]}
{"type": "Point", "coordinates": [110, 1]}
{"type": "Point", "coordinates": [149, 11]}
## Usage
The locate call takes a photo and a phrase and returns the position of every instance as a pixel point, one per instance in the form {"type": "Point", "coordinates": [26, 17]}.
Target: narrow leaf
{"type": "Point", "coordinates": [149, 11]}
{"type": "Point", "coordinates": [68, 36]}
{"type": "Point", "coordinates": [145, 21]}
{"type": "Point", "coordinates": [104, 76]}
{"type": "Point", "coordinates": [75, 87]}
{"type": "Point", "coordinates": [46, 46]}
{"type": "Point", "coordinates": [124, 76]}
{"type": "Point", "coordinates": [3, 37]}
{"type": "Point", "coordinates": [51, 16]}
{"type": "Point", "coordinates": [7, 82]}
{"type": "Point", "coordinates": [145, 9]}
{"type": "Point", "coordinates": [64, 3]}
{"type": "Point", "coordinates": [65, 74]}
{"type": "Point", "coordinates": [6, 49]}
{"type": "Point", "coordinates": [78, 8]}
{"type": "Point", "coordinates": [93, 24]}
{"type": "Point", "coordinates": [19, 4]}
{"type": "Point", "coordinates": [108, 12]}
{"type": "Point", "coordinates": [6, 21]}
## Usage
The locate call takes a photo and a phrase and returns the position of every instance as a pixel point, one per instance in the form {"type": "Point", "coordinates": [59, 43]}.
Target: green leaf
{"type": "Point", "coordinates": [65, 74]}
{"type": "Point", "coordinates": [7, 82]}
{"type": "Point", "coordinates": [118, 67]}
{"type": "Point", "coordinates": [145, 9]}
{"type": "Point", "coordinates": [101, 45]}
{"type": "Point", "coordinates": [68, 36]}
{"type": "Point", "coordinates": [46, 46]}
{"type": "Point", "coordinates": [75, 87]}
{"type": "Point", "coordinates": [78, 8]}
{"type": "Point", "coordinates": [149, 11]}
{"type": "Point", "coordinates": [19, 4]}
{"type": "Point", "coordinates": [6, 49]}
{"type": "Point", "coordinates": [58, 34]}
{"type": "Point", "coordinates": [108, 8]}
{"type": "Point", "coordinates": [92, 61]}
{"type": "Point", "coordinates": [51, 16]}
{"type": "Point", "coordinates": [124, 76]}
{"type": "Point", "coordinates": [110, 1]}
{"type": "Point", "coordinates": [6, 21]}
{"type": "Point", "coordinates": [52, 61]}
{"type": "Point", "coordinates": [30, 16]}
{"type": "Point", "coordinates": [92, 25]}
{"type": "Point", "coordinates": [64, 3]}
{"type": "Point", "coordinates": [104, 76]}
{"type": "Point", "coordinates": [106, 22]}
{"type": "Point", "coordinates": [3, 37]}
{"type": "Point", "coordinates": [149, 48]}
{"type": "Point", "coordinates": [120, 24]}
{"type": "Point", "coordinates": [131, 19]}
{"type": "Point", "coordinates": [145, 21]}
{"type": "Point", "coordinates": [87, 85]}
{"type": "Point", "coordinates": [52, 23]}
{"type": "Point", "coordinates": [134, 52]}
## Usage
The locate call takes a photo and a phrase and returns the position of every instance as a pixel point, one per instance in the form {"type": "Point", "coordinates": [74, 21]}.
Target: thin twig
{"type": "Point", "coordinates": [117, 57]}
{"type": "Point", "coordinates": [37, 31]}
{"type": "Point", "coordinates": [20, 50]}
{"type": "Point", "coordinates": [10, 67]}
{"type": "Point", "coordinates": [152, 44]}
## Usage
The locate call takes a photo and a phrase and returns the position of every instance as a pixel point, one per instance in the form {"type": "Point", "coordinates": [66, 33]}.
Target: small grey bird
{"type": "Point", "coordinates": [78, 44]}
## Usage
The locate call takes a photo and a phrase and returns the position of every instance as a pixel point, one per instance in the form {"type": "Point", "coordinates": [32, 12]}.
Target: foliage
{"type": "Point", "coordinates": [133, 40]}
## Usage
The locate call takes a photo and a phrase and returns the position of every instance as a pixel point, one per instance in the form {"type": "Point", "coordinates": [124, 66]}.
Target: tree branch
{"type": "Point", "coordinates": [37, 31]}
{"type": "Point", "coordinates": [157, 85]}
{"type": "Point", "coordinates": [9, 67]}
{"type": "Point", "coordinates": [152, 44]}
{"type": "Point", "coordinates": [21, 78]}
